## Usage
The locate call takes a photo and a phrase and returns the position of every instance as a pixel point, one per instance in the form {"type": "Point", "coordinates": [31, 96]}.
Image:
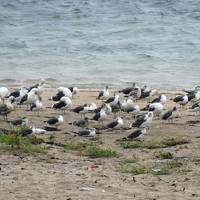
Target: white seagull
{"type": "Point", "coordinates": [116, 123]}
{"type": "Point", "coordinates": [104, 94]}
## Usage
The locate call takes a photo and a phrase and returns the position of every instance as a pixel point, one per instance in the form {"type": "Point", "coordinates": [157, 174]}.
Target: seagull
{"type": "Point", "coordinates": [80, 109]}
{"type": "Point", "coordinates": [30, 131]}
{"type": "Point", "coordinates": [55, 121]}
{"type": "Point", "coordinates": [136, 135]}
{"type": "Point", "coordinates": [100, 116]}
{"type": "Point", "coordinates": [64, 104]}
{"type": "Point", "coordinates": [194, 97]}
{"type": "Point", "coordinates": [116, 108]}
{"type": "Point", "coordinates": [113, 100]}
{"type": "Point", "coordinates": [58, 96]}
{"type": "Point", "coordinates": [81, 123]}
{"type": "Point", "coordinates": [37, 106]}
{"type": "Point", "coordinates": [87, 132]}
{"type": "Point", "coordinates": [169, 115]}
{"type": "Point", "coordinates": [192, 91]}
{"type": "Point", "coordinates": [104, 106]}
{"type": "Point", "coordinates": [136, 93]}
{"type": "Point", "coordinates": [182, 100]}
{"type": "Point", "coordinates": [161, 99]}
{"type": "Point", "coordinates": [91, 107]}
{"type": "Point", "coordinates": [116, 124]}
{"type": "Point", "coordinates": [74, 90]}
{"type": "Point", "coordinates": [196, 107]}
{"type": "Point", "coordinates": [156, 108]}
{"type": "Point", "coordinates": [143, 121]}
{"type": "Point", "coordinates": [20, 122]}
{"type": "Point", "coordinates": [66, 91]}
{"type": "Point", "coordinates": [39, 86]}
{"type": "Point", "coordinates": [18, 94]}
{"type": "Point", "coordinates": [104, 94]}
{"type": "Point", "coordinates": [128, 90]}
{"type": "Point", "coordinates": [126, 104]}
{"type": "Point", "coordinates": [29, 98]}
{"type": "Point", "coordinates": [135, 110]}
{"type": "Point", "coordinates": [4, 92]}
{"type": "Point", "coordinates": [6, 108]}
{"type": "Point", "coordinates": [146, 92]}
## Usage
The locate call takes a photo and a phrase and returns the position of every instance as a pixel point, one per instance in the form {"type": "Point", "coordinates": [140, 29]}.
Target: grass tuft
{"type": "Point", "coordinates": [154, 144]}
{"type": "Point", "coordinates": [166, 155]}
{"type": "Point", "coordinates": [24, 144]}
{"type": "Point", "coordinates": [90, 149]}
{"type": "Point", "coordinates": [97, 152]}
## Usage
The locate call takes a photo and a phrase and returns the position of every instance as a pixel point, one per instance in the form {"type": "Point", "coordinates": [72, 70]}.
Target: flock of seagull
{"type": "Point", "coordinates": [124, 101]}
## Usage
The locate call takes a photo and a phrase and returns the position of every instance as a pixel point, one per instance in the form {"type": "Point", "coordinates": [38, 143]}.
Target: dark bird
{"type": "Point", "coordinates": [116, 124]}
{"type": "Point", "coordinates": [55, 121]}
{"type": "Point", "coordinates": [137, 134]}
{"type": "Point", "coordinates": [64, 104]}
{"type": "Point", "coordinates": [127, 90]}
{"type": "Point", "coordinates": [58, 96]}
{"type": "Point", "coordinates": [104, 94]}
{"type": "Point", "coordinates": [182, 99]}
{"type": "Point", "coordinates": [143, 121]}
{"type": "Point", "coordinates": [20, 122]}
{"type": "Point", "coordinates": [81, 123]}
{"type": "Point", "coordinates": [170, 115]}
{"type": "Point", "coordinates": [87, 132]}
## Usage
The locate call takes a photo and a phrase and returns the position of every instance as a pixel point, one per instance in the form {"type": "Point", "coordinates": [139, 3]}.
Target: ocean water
{"type": "Point", "coordinates": [95, 42]}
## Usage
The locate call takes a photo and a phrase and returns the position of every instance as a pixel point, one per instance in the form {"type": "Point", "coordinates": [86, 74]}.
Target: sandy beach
{"type": "Point", "coordinates": [138, 172]}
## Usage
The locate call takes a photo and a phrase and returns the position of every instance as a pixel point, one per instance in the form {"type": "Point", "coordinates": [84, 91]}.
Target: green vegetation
{"type": "Point", "coordinates": [90, 149]}
{"type": "Point", "coordinates": [97, 152]}
{"type": "Point", "coordinates": [154, 144]}
{"type": "Point", "coordinates": [24, 144]}
{"type": "Point", "coordinates": [166, 155]}
{"type": "Point", "coordinates": [163, 168]}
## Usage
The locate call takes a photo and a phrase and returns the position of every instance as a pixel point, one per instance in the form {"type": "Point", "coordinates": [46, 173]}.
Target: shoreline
{"type": "Point", "coordinates": [53, 84]}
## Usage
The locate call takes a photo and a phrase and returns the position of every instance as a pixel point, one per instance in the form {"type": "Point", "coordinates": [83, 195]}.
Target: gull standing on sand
{"type": "Point", "coordinates": [64, 104]}
{"type": "Point", "coordinates": [100, 116]}
{"type": "Point", "coordinates": [143, 121]}
{"type": "Point", "coordinates": [170, 115]}
{"type": "Point", "coordinates": [161, 99]}
{"type": "Point", "coordinates": [18, 94]}
{"type": "Point", "coordinates": [113, 100]}
{"type": "Point", "coordinates": [74, 90]}
{"type": "Point", "coordinates": [29, 98]}
{"type": "Point", "coordinates": [181, 99]}
{"type": "Point", "coordinates": [4, 92]}
{"type": "Point", "coordinates": [37, 106]}
{"type": "Point", "coordinates": [6, 108]}
{"type": "Point", "coordinates": [196, 108]}
{"type": "Point", "coordinates": [116, 124]}
{"type": "Point", "coordinates": [61, 92]}
{"type": "Point", "coordinates": [135, 110]}
{"type": "Point", "coordinates": [104, 94]}
{"type": "Point", "coordinates": [128, 90]}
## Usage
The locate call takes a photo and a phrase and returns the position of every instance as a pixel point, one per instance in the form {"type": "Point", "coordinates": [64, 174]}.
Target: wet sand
{"type": "Point", "coordinates": [61, 174]}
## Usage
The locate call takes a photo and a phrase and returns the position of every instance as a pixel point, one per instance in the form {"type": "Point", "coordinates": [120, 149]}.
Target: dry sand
{"type": "Point", "coordinates": [62, 174]}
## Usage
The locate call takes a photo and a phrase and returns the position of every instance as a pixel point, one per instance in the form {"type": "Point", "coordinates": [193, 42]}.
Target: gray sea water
{"type": "Point", "coordinates": [95, 42]}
